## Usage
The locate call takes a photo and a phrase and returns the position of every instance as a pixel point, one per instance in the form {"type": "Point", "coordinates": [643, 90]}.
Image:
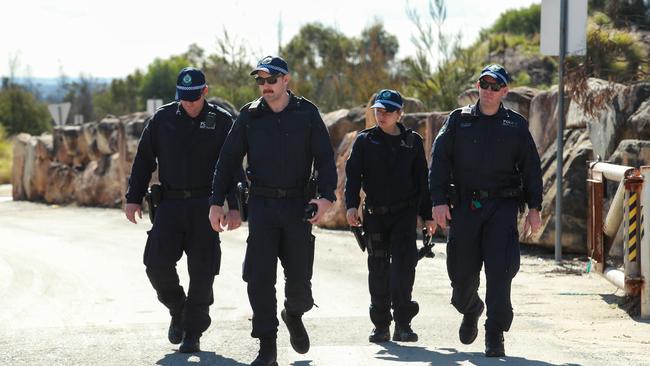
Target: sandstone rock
{"type": "Point", "coordinates": [543, 118]}
{"type": "Point", "coordinates": [107, 136]}
{"type": "Point", "coordinates": [634, 153]}
{"type": "Point", "coordinates": [89, 133]}
{"type": "Point", "coordinates": [18, 165]}
{"type": "Point", "coordinates": [613, 123]}
{"type": "Point", "coordinates": [578, 150]}
{"type": "Point", "coordinates": [61, 188]}
{"type": "Point", "coordinates": [335, 217]}
{"type": "Point", "coordinates": [38, 157]}
{"type": "Point", "coordinates": [61, 152]}
{"type": "Point", "coordinates": [340, 122]}
{"type": "Point", "coordinates": [100, 183]}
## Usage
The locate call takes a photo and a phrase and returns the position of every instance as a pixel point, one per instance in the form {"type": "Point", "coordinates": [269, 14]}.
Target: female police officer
{"type": "Point", "coordinates": [388, 161]}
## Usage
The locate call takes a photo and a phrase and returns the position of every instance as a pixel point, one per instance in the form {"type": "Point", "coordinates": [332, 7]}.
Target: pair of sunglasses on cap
{"type": "Point", "coordinates": [269, 80]}
{"type": "Point", "coordinates": [493, 86]}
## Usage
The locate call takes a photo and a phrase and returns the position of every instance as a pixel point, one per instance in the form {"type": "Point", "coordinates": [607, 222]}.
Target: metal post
{"type": "Point", "coordinates": [645, 243]}
{"type": "Point", "coordinates": [560, 136]}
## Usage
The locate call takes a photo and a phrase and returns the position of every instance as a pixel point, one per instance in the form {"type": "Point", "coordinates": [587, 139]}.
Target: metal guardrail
{"type": "Point", "coordinates": [631, 204]}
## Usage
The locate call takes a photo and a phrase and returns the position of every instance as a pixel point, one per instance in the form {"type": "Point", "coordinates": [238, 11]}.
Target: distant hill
{"type": "Point", "coordinates": [51, 89]}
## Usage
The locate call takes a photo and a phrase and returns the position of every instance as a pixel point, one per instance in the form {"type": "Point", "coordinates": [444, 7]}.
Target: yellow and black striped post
{"type": "Point", "coordinates": [632, 227]}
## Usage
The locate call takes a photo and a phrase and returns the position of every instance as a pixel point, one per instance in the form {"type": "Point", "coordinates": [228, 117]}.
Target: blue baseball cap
{"type": "Point", "coordinates": [190, 84]}
{"type": "Point", "coordinates": [388, 99]}
{"type": "Point", "coordinates": [272, 64]}
{"type": "Point", "coordinates": [497, 72]}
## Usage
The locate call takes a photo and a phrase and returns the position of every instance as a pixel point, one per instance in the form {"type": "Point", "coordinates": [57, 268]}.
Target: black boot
{"type": "Point", "coordinates": [494, 344]}
{"type": "Point", "coordinates": [268, 353]}
{"type": "Point", "coordinates": [298, 336]}
{"type": "Point", "coordinates": [469, 327]}
{"type": "Point", "coordinates": [379, 335]}
{"type": "Point", "coordinates": [190, 343]}
{"type": "Point", "coordinates": [175, 332]}
{"type": "Point", "coordinates": [404, 333]}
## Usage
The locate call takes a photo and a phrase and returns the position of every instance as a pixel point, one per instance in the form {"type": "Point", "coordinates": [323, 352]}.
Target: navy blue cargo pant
{"type": "Point", "coordinates": [276, 230]}
{"type": "Point", "coordinates": [484, 235]}
{"type": "Point", "coordinates": [391, 266]}
{"type": "Point", "coordinates": [182, 225]}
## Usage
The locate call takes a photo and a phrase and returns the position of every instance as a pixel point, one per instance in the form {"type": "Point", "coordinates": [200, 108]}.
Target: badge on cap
{"type": "Point", "coordinates": [266, 60]}
{"type": "Point", "coordinates": [187, 80]}
{"type": "Point", "coordinates": [385, 94]}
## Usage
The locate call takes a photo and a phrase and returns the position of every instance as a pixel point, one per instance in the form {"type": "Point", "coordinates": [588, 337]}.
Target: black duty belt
{"type": "Point", "coordinates": [270, 192]}
{"type": "Point", "coordinates": [182, 194]}
{"type": "Point", "coordinates": [390, 209]}
{"type": "Point", "coordinates": [494, 193]}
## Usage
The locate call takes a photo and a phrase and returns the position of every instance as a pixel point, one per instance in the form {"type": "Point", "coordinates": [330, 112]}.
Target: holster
{"type": "Point", "coordinates": [427, 245]}
{"type": "Point", "coordinates": [153, 198]}
{"type": "Point", "coordinates": [358, 235]}
{"type": "Point", "coordinates": [242, 200]}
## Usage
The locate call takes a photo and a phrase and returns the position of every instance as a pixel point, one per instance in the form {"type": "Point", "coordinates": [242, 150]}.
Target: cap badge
{"type": "Point", "coordinates": [187, 80]}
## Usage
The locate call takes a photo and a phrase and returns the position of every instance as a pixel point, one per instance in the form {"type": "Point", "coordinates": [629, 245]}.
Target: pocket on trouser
{"type": "Point", "coordinates": [513, 259]}
{"type": "Point", "coordinates": [312, 248]}
{"type": "Point", "coordinates": [147, 249]}
{"type": "Point", "coordinates": [451, 259]}
{"type": "Point", "coordinates": [216, 262]}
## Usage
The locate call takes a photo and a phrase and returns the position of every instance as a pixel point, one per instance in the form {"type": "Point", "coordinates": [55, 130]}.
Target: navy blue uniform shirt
{"type": "Point", "coordinates": [485, 153]}
{"type": "Point", "coordinates": [280, 149]}
{"type": "Point", "coordinates": [389, 168]}
{"type": "Point", "coordinates": [185, 149]}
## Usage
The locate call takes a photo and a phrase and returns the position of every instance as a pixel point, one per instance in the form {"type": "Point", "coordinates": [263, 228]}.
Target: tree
{"type": "Point", "coordinates": [160, 80]}
{"type": "Point", "coordinates": [454, 69]}
{"type": "Point", "coordinates": [21, 112]}
{"type": "Point", "coordinates": [121, 96]}
{"type": "Point", "coordinates": [320, 56]}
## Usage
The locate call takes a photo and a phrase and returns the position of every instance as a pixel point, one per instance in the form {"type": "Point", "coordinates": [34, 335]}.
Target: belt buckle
{"type": "Point", "coordinates": [282, 193]}
{"type": "Point", "coordinates": [186, 194]}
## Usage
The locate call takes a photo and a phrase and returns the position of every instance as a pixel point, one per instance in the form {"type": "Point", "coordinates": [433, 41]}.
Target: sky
{"type": "Point", "coordinates": [113, 38]}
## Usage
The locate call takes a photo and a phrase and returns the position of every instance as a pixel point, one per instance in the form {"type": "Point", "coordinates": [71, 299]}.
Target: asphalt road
{"type": "Point", "coordinates": [73, 292]}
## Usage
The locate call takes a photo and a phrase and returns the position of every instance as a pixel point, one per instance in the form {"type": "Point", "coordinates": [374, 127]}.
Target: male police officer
{"type": "Point", "coordinates": [388, 161]}
{"type": "Point", "coordinates": [487, 152]}
{"type": "Point", "coordinates": [282, 136]}
{"type": "Point", "coordinates": [184, 139]}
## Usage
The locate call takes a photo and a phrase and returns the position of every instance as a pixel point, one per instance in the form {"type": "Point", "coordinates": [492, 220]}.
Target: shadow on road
{"type": "Point", "coordinates": [198, 358]}
{"type": "Point", "coordinates": [450, 356]}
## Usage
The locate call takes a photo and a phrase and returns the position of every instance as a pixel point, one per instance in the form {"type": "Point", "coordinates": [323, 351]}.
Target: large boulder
{"type": "Point", "coordinates": [543, 118]}
{"type": "Point", "coordinates": [339, 123]}
{"type": "Point", "coordinates": [612, 122]}
{"type": "Point", "coordinates": [108, 135]}
{"type": "Point", "coordinates": [18, 164]}
{"type": "Point", "coordinates": [61, 188]}
{"type": "Point", "coordinates": [100, 184]}
{"type": "Point", "coordinates": [577, 151]}
{"type": "Point", "coordinates": [38, 157]}
{"type": "Point", "coordinates": [335, 217]}
{"type": "Point", "coordinates": [634, 153]}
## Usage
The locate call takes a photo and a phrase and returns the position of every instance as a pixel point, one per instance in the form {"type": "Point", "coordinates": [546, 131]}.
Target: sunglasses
{"type": "Point", "coordinates": [493, 86]}
{"type": "Point", "coordinates": [270, 80]}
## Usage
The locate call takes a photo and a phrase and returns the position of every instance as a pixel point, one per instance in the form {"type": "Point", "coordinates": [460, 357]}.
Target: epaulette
{"type": "Point", "coordinates": [254, 107]}
{"type": "Point", "coordinates": [302, 99]}
{"type": "Point", "coordinates": [466, 111]}
{"type": "Point", "coordinates": [220, 109]}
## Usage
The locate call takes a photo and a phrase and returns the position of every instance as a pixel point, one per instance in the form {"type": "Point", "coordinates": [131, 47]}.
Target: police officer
{"type": "Point", "coordinates": [183, 139]}
{"type": "Point", "coordinates": [282, 136]}
{"type": "Point", "coordinates": [488, 154]}
{"type": "Point", "coordinates": [388, 161]}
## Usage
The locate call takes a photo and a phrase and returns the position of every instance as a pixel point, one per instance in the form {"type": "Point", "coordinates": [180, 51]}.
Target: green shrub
{"type": "Point", "coordinates": [5, 157]}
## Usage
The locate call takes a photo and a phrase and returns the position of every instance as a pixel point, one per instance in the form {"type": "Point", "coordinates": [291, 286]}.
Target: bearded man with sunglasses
{"type": "Point", "coordinates": [486, 151]}
{"type": "Point", "coordinates": [283, 136]}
